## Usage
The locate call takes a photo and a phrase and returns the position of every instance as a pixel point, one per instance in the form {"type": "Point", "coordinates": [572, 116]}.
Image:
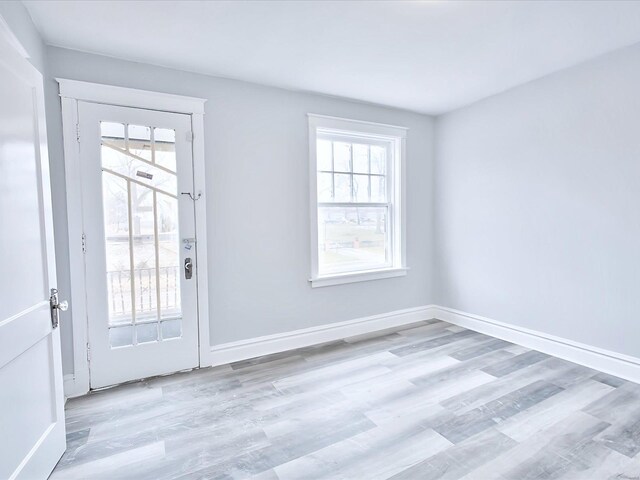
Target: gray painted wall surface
{"type": "Point", "coordinates": [257, 187]}
{"type": "Point", "coordinates": [537, 205]}
{"type": "Point", "coordinates": [19, 21]}
{"type": "Point", "coordinates": [529, 215]}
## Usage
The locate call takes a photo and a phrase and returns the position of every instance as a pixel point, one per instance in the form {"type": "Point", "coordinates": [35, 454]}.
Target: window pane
{"type": "Point", "coordinates": [130, 167]}
{"type": "Point", "coordinates": [140, 141]}
{"type": "Point", "coordinates": [120, 336]}
{"type": "Point", "coordinates": [352, 238]}
{"type": "Point", "coordinates": [164, 144]}
{"type": "Point", "coordinates": [361, 188]}
{"type": "Point", "coordinates": [360, 158]}
{"type": "Point", "coordinates": [169, 257]}
{"type": "Point", "coordinates": [144, 252]}
{"type": "Point", "coordinates": [115, 199]}
{"type": "Point", "coordinates": [171, 329]}
{"type": "Point", "coordinates": [324, 187]}
{"type": "Point", "coordinates": [378, 159]}
{"type": "Point", "coordinates": [342, 157]}
{"type": "Point", "coordinates": [378, 189]}
{"type": "Point", "coordinates": [342, 187]}
{"type": "Point", "coordinates": [324, 155]}
{"type": "Point", "coordinates": [113, 134]}
{"type": "Point", "coordinates": [147, 332]}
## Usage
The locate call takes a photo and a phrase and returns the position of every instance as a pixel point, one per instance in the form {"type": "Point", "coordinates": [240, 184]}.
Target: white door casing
{"type": "Point", "coordinates": [141, 302]}
{"type": "Point", "coordinates": [32, 438]}
{"type": "Point", "coordinates": [72, 92]}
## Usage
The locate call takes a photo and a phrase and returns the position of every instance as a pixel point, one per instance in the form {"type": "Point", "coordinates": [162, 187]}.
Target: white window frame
{"type": "Point", "coordinates": [396, 172]}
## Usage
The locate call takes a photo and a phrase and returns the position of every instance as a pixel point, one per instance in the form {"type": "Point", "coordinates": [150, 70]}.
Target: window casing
{"type": "Point", "coordinates": [357, 216]}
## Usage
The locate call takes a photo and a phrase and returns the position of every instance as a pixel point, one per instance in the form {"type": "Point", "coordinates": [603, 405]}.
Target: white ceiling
{"type": "Point", "coordinates": [429, 57]}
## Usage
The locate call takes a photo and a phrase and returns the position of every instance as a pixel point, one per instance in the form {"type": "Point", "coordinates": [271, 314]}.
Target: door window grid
{"type": "Point", "coordinates": [145, 307]}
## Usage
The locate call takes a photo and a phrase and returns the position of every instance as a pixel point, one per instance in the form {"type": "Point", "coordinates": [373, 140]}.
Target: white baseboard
{"type": "Point", "coordinates": [281, 342]}
{"type": "Point", "coordinates": [73, 386]}
{"type": "Point", "coordinates": [617, 364]}
{"type": "Point", "coordinates": [614, 363]}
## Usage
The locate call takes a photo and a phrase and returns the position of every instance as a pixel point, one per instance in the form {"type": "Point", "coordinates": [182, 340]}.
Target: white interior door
{"type": "Point", "coordinates": [32, 431]}
{"type": "Point", "coordinates": [138, 216]}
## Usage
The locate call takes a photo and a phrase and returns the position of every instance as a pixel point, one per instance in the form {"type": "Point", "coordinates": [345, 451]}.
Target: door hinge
{"type": "Point", "coordinates": [88, 352]}
{"type": "Point", "coordinates": [84, 243]}
{"type": "Point", "coordinates": [78, 132]}
{"type": "Point", "coordinates": [190, 136]}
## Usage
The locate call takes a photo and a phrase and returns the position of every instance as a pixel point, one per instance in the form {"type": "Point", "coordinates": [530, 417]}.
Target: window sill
{"type": "Point", "coordinates": [340, 279]}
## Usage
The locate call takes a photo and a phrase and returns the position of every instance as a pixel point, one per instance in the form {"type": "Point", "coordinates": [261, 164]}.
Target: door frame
{"type": "Point", "coordinates": [71, 92]}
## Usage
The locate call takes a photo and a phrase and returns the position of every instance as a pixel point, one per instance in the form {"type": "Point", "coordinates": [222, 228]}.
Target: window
{"type": "Point", "coordinates": [356, 198]}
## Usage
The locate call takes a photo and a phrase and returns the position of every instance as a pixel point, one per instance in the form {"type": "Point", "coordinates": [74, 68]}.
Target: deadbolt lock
{"type": "Point", "coordinates": [188, 268]}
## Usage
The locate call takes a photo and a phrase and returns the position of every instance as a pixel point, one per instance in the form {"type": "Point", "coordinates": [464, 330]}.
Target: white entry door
{"type": "Point", "coordinates": [32, 430]}
{"type": "Point", "coordinates": [138, 216]}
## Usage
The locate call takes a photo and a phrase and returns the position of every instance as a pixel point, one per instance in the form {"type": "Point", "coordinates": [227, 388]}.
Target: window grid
{"type": "Point", "coordinates": [351, 172]}
{"type": "Point", "coordinates": [356, 205]}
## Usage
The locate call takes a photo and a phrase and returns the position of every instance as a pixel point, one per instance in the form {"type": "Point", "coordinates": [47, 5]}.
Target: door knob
{"type": "Point", "coordinates": [56, 306]}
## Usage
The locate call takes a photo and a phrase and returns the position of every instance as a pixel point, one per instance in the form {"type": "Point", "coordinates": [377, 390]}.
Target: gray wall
{"type": "Point", "coordinates": [537, 205]}
{"type": "Point", "coordinates": [257, 187]}
{"type": "Point", "coordinates": [19, 21]}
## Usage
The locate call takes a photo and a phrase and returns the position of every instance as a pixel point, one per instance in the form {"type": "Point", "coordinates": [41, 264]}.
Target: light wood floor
{"type": "Point", "coordinates": [431, 402]}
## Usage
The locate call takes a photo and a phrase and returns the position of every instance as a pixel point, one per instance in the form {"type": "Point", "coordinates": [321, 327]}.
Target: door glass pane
{"type": "Point", "coordinates": [140, 141]}
{"type": "Point", "coordinates": [147, 332]}
{"type": "Point", "coordinates": [164, 142]}
{"type": "Point", "coordinates": [141, 233]}
{"type": "Point", "coordinates": [352, 238]}
{"type": "Point", "coordinates": [169, 256]}
{"type": "Point", "coordinates": [113, 134]}
{"type": "Point", "coordinates": [144, 251]}
{"type": "Point", "coordinates": [120, 163]}
{"type": "Point", "coordinates": [171, 329]}
{"type": "Point", "coordinates": [121, 336]}
{"type": "Point", "coordinates": [115, 196]}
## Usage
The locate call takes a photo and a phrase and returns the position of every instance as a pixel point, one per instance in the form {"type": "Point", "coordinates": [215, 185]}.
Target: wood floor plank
{"type": "Point", "coordinates": [429, 401]}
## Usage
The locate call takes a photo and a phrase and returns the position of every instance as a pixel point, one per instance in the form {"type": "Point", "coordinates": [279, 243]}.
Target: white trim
{"type": "Point", "coordinates": [618, 364]}
{"type": "Point", "coordinates": [202, 275]}
{"type": "Point", "coordinates": [281, 342]}
{"type": "Point", "coordinates": [613, 363]}
{"type": "Point", "coordinates": [329, 280]}
{"type": "Point", "coordinates": [72, 387]}
{"type": "Point", "coordinates": [72, 91]}
{"type": "Point", "coordinates": [129, 97]}
{"type": "Point", "coordinates": [78, 300]}
{"type": "Point", "coordinates": [396, 203]}
{"type": "Point", "coordinates": [348, 124]}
